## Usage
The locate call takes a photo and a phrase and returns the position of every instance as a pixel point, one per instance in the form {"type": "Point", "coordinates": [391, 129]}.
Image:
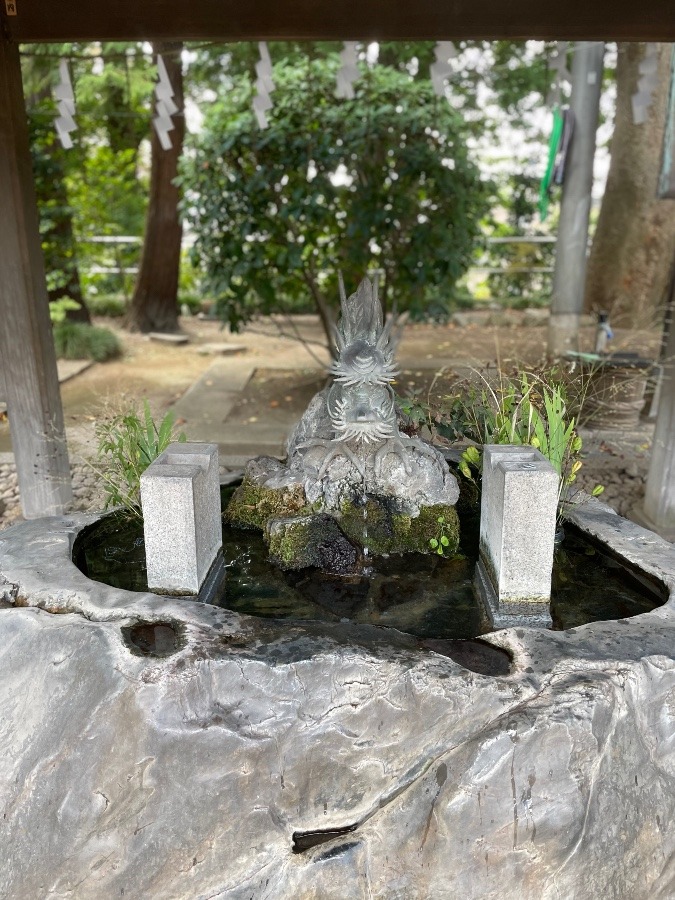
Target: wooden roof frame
{"type": "Point", "coordinates": [232, 20]}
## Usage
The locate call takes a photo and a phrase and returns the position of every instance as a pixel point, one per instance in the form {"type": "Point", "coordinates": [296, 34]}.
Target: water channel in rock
{"type": "Point", "coordinates": [428, 596]}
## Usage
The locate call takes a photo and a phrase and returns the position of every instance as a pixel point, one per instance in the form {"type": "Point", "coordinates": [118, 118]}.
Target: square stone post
{"type": "Point", "coordinates": [517, 533]}
{"type": "Point", "coordinates": [180, 496]}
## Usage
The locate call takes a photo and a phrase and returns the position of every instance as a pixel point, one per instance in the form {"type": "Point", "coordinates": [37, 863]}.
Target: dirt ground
{"type": "Point", "coordinates": [161, 373]}
{"type": "Point", "coordinates": [286, 374]}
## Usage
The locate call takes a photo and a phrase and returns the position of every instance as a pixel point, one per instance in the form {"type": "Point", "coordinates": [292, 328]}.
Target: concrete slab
{"type": "Point", "coordinates": [211, 398]}
{"type": "Point", "coordinates": [69, 368]}
{"type": "Point", "coordinates": [221, 349]}
{"type": "Point", "coordinates": [168, 338]}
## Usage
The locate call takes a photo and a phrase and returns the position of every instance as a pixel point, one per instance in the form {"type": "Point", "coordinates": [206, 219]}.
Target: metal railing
{"type": "Point", "coordinates": [517, 270]}
{"type": "Point", "coordinates": [114, 241]}
{"type": "Point", "coordinates": [487, 270]}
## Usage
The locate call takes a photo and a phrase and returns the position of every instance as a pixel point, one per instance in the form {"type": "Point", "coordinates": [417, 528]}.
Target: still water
{"type": "Point", "coordinates": [426, 596]}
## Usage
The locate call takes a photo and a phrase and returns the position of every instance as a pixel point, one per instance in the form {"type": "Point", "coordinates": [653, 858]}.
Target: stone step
{"type": "Point", "coordinates": [164, 338]}
{"type": "Point", "coordinates": [221, 349]}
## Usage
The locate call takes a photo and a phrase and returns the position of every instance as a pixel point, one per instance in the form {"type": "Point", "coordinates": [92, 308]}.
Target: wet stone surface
{"type": "Point", "coordinates": [152, 638]}
{"type": "Point", "coordinates": [476, 656]}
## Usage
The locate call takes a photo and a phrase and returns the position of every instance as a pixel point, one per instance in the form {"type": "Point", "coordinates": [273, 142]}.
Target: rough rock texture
{"type": "Point", "coordinates": [401, 510]}
{"type": "Point", "coordinates": [265, 493]}
{"type": "Point", "coordinates": [193, 772]}
{"type": "Point", "coordinates": [299, 534]}
{"type": "Point", "coordinates": [392, 532]}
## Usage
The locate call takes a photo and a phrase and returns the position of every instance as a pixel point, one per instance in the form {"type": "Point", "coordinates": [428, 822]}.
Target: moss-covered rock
{"type": "Point", "coordinates": [313, 540]}
{"type": "Point", "coordinates": [300, 536]}
{"type": "Point", "coordinates": [253, 505]}
{"type": "Point", "coordinates": [389, 531]}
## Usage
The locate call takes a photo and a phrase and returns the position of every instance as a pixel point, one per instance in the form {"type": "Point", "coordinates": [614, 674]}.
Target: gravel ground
{"type": "Point", "coordinates": [619, 461]}
{"type": "Point", "coordinates": [88, 496]}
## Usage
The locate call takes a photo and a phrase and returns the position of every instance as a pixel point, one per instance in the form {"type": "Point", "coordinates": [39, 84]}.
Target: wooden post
{"type": "Point", "coordinates": [26, 343]}
{"type": "Point", "coordinates": [567, 301]}
{"type": "Point", "coordinates": [667, 179]}
{"type": "Point", "coordinates": [658, 512]}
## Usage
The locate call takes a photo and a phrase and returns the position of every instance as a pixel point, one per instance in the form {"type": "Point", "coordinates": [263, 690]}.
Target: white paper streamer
{"type": "Point", "coordinates": [642, 98]}
{"type": "Point", "coordinates": [164, 107]}
{"type": "Point", "coordinates": [63, 92]}
{"type": "Point", "coordinates": [441, 70]}
{"type": "Point", "coordinates": [348, 72]}
{"type": "Point", "coordinates": [262, 102]}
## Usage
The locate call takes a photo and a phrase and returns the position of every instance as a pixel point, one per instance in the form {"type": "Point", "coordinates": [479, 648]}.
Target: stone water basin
{"type": "Point", "coordinates": [157, 747]}
{"type": "Point", "coordinates": [427, 596]}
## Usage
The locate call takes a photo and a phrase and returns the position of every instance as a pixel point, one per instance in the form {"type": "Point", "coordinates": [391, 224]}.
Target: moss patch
{"type": "Point", "coordinates": [314, 540]}
{"type": "Point", "coordinates": [253, 505]}
{"type": "Point", "coordinates": [392, 532]}
{"type": "Point", "coordinates": [319, 540]}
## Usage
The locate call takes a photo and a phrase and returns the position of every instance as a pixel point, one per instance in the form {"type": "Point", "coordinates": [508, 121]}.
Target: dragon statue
{"type": "Point", "coordinates": [347, 459]}
{"type": "Point", "coordinates": [361, 403]}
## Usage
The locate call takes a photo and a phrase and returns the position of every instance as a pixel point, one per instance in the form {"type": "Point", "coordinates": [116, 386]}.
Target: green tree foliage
{"type": "Point", "coordinates": [109, 189]}
{"type": "Point", "coordinates": [115, 101]}
{"type": "Point", "coordinates": [50, 164]}
{"type": "Point", "coordinates": [92, 188]}
{"type": "Point", "coordinates": [274, 223]}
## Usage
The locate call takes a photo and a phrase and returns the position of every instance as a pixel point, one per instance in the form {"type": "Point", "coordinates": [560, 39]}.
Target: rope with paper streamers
{"type": "Point", "coordinates": [643, 97]}
{"type": "Point", "coordinates": [165, 106]}
{"type": "Point", "coordinates": [64, 94]}
{"type": "Point", "coordinates": [558, 64]}
{"type": "Point", "coordinates": [348, 72]}
{"type": "Point", "coordinates": [441, 70]}
{"type": "Point", "coordinates": [262, 102]}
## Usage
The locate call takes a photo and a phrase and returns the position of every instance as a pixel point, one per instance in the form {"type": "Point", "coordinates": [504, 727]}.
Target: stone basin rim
{"type": "Point", "coordinates": [37, 571]}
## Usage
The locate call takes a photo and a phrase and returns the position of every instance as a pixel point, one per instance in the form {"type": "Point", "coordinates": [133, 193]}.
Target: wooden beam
{"type": "Point", "coordinates": [26, 344]}
{"type": "Point", "coordinates": [365, 20]}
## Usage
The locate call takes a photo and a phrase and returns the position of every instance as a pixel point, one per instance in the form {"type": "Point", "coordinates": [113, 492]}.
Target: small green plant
{"type": "Point", "coordinates": [78, 340]}
{"type": "Point", "coordinates": [470, 463]}
{"type": "Point", "coordinates": [127, 444]}
{"type": "Point", "coordinates": [441, 541]}
{"type": "Point", "coordinates": [59, 309]}
{"type": "Point", "coordinates": [107, 305]}
{"type": "Point", "coordinates": [524, 408]}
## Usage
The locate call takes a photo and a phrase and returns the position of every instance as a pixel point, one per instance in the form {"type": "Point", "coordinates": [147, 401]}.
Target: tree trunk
{"type": "Point", "coordinates": [154, 305]}
{"type": "Point", "coordinates": [326, 316]}
{"type": "Point", "coordinates": [634, 240]}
